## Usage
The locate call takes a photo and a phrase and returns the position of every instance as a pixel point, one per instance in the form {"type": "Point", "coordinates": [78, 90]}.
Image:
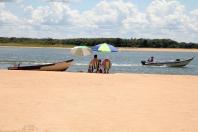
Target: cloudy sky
{"type": "Point", "coordinates": [174, 19]}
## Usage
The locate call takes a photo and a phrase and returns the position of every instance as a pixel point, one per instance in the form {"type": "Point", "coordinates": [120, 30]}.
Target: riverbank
{"type": "Point", "coordinates": [14, 45]}
{"type": "Point", "coordinates": [159, 49]}
{"type": "Point", "coordinates": [62, 101]}
{"type": "Point", "coordinates": [120, 49]}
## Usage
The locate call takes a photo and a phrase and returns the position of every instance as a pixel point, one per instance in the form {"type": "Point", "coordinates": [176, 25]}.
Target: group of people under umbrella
{"type": "Point", "coordinates": [96, 65]}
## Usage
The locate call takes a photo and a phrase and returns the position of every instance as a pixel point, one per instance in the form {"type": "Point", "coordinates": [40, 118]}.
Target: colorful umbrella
{"type": "Point", "coordinates": [81, 51]}
{"type": "Point", "coordinates": [104, 47]}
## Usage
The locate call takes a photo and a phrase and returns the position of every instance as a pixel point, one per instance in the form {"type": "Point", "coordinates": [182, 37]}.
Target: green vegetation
{"type": "Point", "coordinates": [118, 42]}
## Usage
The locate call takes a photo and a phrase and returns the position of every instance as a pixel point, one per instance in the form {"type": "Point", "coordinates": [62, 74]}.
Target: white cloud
{"type": "Point", "coordinates": [2, 5]}
{"type": "Point", "coordinates": [165, 13]}
{"type": "Point", "coordinates": [6, 17]}
{"type": "Point", "coordinates": [171, 20]}
{"type": "Point", "coordinates": [57, 0]}
{"type": "Point", "coordinates": [50, 14]}
{"type": "Point", "coordinates": [109, 18]}
{"type": "Point", "coordinates": [7, 1]}
{"type": "Point", "coordinates": [164, 19]}
{"type": "Point", "coordinates": [193, 24]}
{"type": "Point", "coordinates": [27, 8]}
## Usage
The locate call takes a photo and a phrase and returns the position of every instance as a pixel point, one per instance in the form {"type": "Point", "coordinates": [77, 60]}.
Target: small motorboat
{"type": "Point", "coordinates": [59, 66]}
{"type": "Point", "coordinates": [174, 63]}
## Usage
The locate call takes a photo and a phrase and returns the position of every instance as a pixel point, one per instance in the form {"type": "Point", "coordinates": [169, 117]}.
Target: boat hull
{"type": "Point", "coordinates": [177, 63]}
{"type": "Point", "coordinates": [60, 66]}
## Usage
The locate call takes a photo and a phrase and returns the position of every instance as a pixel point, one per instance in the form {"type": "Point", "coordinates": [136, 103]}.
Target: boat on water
{"type": "Point", "coordinates": [173, 63]}
{"type": "Point", "coordinates": [59, 66]}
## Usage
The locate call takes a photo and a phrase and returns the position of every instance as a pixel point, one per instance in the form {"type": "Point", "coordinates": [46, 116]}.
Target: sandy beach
{"type": "Point", "coordinates": [159, 49]}
{"type": "Point", "coordinates": [81, 102]}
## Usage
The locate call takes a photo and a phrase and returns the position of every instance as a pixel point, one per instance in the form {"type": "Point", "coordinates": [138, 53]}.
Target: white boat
{"type": "Point", "coordinates": [174, 63]}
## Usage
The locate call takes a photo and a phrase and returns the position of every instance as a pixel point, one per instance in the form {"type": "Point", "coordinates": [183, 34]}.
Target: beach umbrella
{"type": "Point", "coordinates": [104, 47]}
{"type": "Point", "coordinates": [81, 51]}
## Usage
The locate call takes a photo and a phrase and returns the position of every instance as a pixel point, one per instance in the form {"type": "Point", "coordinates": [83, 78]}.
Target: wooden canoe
{"type": "Point", "coordinates": [59, 66]}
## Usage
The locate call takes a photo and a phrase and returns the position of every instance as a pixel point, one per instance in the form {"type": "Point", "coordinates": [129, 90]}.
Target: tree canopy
{"type": "Point", "coordinates": [118, 42]}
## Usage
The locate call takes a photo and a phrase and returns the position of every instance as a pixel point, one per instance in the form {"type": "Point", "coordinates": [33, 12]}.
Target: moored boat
{"type": "Point", "coordinates": [59, 66]}
{"type": "Point", "coordinates": [175, 63]}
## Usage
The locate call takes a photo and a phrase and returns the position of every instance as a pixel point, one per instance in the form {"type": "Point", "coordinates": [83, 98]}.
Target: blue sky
{"type": "Point", "coordinates": [174, 19]}
{"type": "Point", "coordinates": [141, 4]}
{"type": "Point", "coordinates": [190, 4]}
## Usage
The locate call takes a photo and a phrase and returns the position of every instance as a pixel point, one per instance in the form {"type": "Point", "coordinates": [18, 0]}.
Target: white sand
{"type": "Point", "coordinates": [159, 49]}
{"type": "Point", "coordinates": [80, 102]}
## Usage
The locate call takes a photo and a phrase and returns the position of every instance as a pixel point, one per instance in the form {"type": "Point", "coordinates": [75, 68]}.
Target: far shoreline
{"type": "Point", "coordinates": [120, 48]}
{"type": "Point", "coordinates": [159, 49]}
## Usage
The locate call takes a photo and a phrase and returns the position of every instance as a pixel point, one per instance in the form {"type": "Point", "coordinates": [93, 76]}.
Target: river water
{"type": "Point", "coordinates": [123, 61]}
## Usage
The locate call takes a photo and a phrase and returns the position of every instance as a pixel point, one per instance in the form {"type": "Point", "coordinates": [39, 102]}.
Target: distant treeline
{"type": "Point", "coordinates": [118, 42]}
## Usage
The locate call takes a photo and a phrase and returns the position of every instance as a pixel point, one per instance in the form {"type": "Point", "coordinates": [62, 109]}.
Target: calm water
{"type": "Point", "coordinates": [123, 62]}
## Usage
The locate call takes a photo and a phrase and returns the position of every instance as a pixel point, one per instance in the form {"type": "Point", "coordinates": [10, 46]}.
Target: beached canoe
{"type": "Point", "coordinates": [59, 66]}
{"type": "Point", "coordinates": [175, 63]}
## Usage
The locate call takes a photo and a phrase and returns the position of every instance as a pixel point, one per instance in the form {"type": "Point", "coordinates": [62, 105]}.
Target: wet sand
{"type": "Point", "coordinates": [33, 101]}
